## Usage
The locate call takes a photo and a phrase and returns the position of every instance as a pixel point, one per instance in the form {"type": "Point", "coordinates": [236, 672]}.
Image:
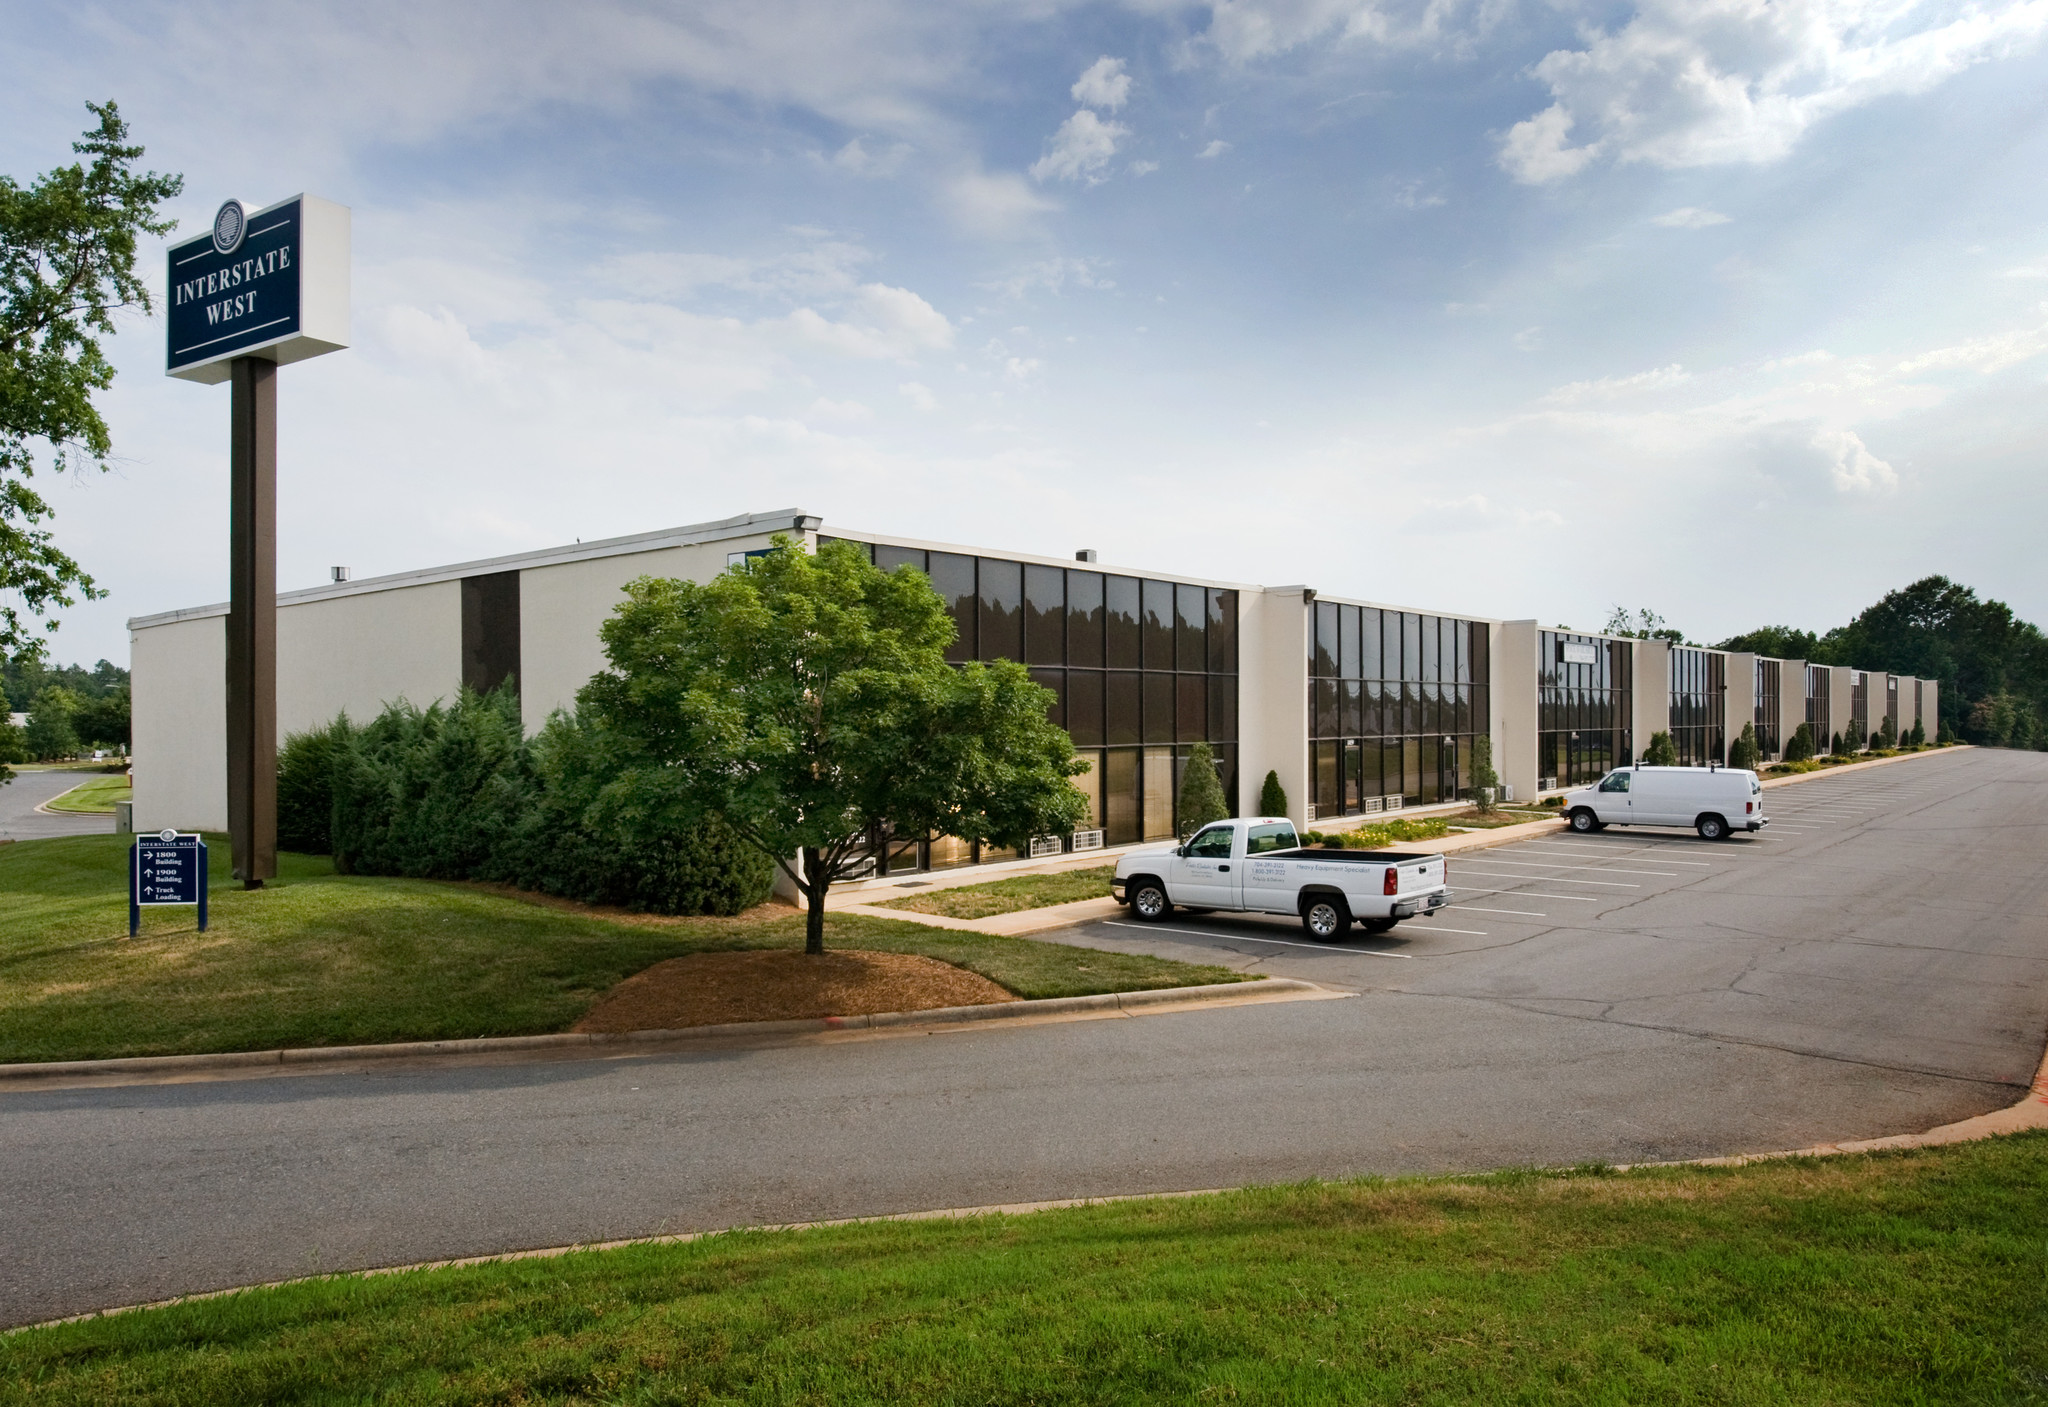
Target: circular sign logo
{"type": "Point", "coordinates": [229, 224]}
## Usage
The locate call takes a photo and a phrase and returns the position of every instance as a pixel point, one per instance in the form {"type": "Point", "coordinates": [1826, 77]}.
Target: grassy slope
{"type": "Point", "coordinates": [96, 797]}
{"type": "Point", "coordinates": [1009, 896]}
{"type": "Point", "coordinates": [1905, 1278]}
{"type": "Point", "coordinates": [322, 959]}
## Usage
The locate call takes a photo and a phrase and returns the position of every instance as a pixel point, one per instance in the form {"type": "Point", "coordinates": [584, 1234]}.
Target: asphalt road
{"type": "Point", "coordinates": [1873, 964]}
{"type": "Point", "coordinates": [19, 819]}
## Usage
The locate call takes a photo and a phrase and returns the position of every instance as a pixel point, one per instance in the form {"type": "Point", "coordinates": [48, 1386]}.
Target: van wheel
{"type": "Point", "coordinates": [1585, 822]}
{"type": "Point", "coordinates": [1713, 828]}
{"type": "Point", "coordinates": [1149, 901]}
{"type": "Point", "coordinates": [1326, 919]}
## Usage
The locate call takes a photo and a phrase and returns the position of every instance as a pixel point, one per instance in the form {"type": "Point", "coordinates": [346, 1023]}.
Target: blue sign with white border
{"type": "Point", "coordinates": [166, 868]}
{"type": "Point", "coordinates": [270, 283]}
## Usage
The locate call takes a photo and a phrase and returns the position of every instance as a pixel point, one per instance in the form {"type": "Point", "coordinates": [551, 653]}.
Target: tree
{"type": "Point", "coordinates": [1852, 738]}
{"type": "Point", "coordinates": [1835, 745]}
{"type": "Point", "coordinates": [49, 734]}
{"type": "Point", "coordinates": [103, 721]}
{"type": "Point", "coordinates": [1918, 737]}
{"type": "Point", "coordinates": [804, 699]}
{"type": "Point", "coordinates": [13, 747]}
{"type": "Point", "coordinates": [1888, 733]}
{"type": "Point", "coordinates": [1201, 791]}
{"type": "Point", "coordinates": [1778, 642]}
{"type": "Point", "coordinates": [1745, 755]}
{"type": "Point", "coordinates": [1662, 752]}
{"type": "Point", "coordinates": [67, 265]}
{"type": "Point", "coordinates": [1645, 624]}
{"type": "Point", "coordinates": [1272, 797]}
{"type": "Point", "coordinates": [1485, 781]}
{"type": "Point", "coordinates": [1799, 748]}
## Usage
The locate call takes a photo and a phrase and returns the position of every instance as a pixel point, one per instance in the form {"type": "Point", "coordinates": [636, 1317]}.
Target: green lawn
{"type": "Point", "coordinates": [1914, 1278]}
{"type": "Point", "coordinates": [1009, 896]}
{"type": "Point", "coordinates": [96, 796]}
{"type": "Point", "coordinates": [317, 958]}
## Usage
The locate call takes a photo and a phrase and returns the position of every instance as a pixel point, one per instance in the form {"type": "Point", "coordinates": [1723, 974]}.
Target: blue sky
{"type": "Point", "coordinates": [1738, 311]}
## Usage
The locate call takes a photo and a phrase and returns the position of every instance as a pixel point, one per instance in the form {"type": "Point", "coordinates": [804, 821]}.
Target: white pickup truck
{"type": "Point", "coordinates": [1258, 865]}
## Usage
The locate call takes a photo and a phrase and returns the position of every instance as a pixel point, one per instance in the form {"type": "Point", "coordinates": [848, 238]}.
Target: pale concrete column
{"type": "Point", "coordinates": [1739, 706]}
{"type": "Point", "coordinates": [1511, 646]}
{"type": "Point", "coordinates": [1930, 708]}
{"type": "Point", "coordinates": [1841, 702]}
{"type": "Point", "coordinates": [1274, 631]}
{"type": "Point", "coordinates": [1791, 701]}
{"type": "Point", "coordinates": [1652, 707]}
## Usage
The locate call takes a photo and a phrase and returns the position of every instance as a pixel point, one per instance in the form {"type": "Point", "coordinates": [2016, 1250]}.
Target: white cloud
{"type": "Point", "coordinates": [1707, 82]}
{"type": "Point", "coordinates": [1052, 275]}
{"type": "Point", "coordinates": [1104, 84]}
{"type": "Point", "coordinates": [1529, 339]}
{"type": "Point", "coordinates": [856, 157]}
{"type": "Point", "coordinates": [1851, 465]}
{"type": "Point", "coordinates": [824, 409]}
{"type": "Point", "coordinates": [1412, 195]}
{"type": "Point", "coordinates": [1080, 149]}
{"type": "Point", "coordinates": [1142, 168]}
{"type": "Point", "coordinates": [1213, 150]}
{"type": "Point", "coordinates": [1689, 217]}
{"type": "Point", "coordinates": [919, 395]}
{"type": "Point", "coordinates": [996, 203]}
{"type": "Point", "coordinates": [1612, 387]}
{"type": "Point", "coordinates": [1021, 368]}
{"type": "Point", "coordinates": [1243, 30]}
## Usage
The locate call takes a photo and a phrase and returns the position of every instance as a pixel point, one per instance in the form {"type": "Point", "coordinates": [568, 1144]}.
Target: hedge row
{"type": "Point", "coordinates": [458, 792]}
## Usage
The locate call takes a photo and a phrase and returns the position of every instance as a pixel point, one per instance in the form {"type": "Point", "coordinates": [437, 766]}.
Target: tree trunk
{"type": "Point", "coordinates": [817, 883]}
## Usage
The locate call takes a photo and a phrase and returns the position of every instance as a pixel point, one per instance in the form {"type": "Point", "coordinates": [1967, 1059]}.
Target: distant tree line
{"type": "Point", "coordinates": [1991, 665]}
{"type": "Point", "coordinates": [70, 709]}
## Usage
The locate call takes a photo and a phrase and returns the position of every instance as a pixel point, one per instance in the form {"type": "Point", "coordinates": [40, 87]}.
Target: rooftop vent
{"type": "Point", "coordinates": [338, 573]}
{"type": "Point", "coordinates": [1086, 554]}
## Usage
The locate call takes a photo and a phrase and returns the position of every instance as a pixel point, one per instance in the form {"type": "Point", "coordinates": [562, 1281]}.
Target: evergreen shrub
{"type": "Point", "coordinates": [305, 787]}
{"type": "Point", "coordinates": [1744, 754]}
{"type": "Point", "coordinates": [1800, 747]}
{"type": "Point", "coordinates": [1662, 752]}
{"type": "Point", "coordinates": [1272, 798]}
{"type": "Point", "coordinates": [1201, 791]}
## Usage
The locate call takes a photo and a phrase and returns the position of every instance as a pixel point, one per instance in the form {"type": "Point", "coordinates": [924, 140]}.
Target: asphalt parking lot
{"type": "Point", "coordinates": [1875, 963]}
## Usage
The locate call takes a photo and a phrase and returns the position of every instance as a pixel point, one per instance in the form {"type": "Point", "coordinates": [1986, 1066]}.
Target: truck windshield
{"type": "Point", "coordinates": [1278, 836]}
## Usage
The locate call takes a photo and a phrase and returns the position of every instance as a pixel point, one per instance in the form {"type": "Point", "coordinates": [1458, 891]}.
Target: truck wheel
{"type": "Point", "coordinates": [1149, 901]}
{"type": "Point", "coordinates": [1712, 828]}
{"type": "Point", "coordinates": [1378, 925]}
{"type": "Point", "coordinates": [1585, 822]}
{"type": "Point", "coordinates": [1326, 919]}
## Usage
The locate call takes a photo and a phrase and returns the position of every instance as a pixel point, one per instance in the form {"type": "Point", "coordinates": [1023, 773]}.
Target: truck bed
{"type": "Point", "coordinates": [1353, 857]}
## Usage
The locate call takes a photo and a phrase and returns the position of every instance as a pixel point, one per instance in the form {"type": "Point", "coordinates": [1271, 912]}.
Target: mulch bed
{"type": "Point", "coordinates": [709, 989]}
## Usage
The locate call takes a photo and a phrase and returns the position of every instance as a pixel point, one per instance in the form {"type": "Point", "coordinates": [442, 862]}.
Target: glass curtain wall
{"type": "Point", "coordinates": [1141, 670]}
{"type": "Point", "coordinates": [1699, 696]}
{"type": "Point", "coordinates": [1820, 704]}
{"type": "Point", "coordinates": [1395, 699]}
{"type": "Point", "coordinates": [1584, 698]}
{"type": "Point", "coordinates": [1769, 680]}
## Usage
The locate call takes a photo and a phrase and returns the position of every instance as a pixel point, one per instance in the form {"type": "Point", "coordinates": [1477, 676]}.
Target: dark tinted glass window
{"type": "Point", "coordinates": [1055, 680]}
{"type": "Point", "coordinates": [1390, 644]}
{"type": "Point", "coordinates": [1369, 643]}
{"type": "Point", "coordinates": [1122, 708]}
{"type": "Point", "coordinates": [1084, 618]}
{"type": "Point", "coordinates": [1159, 625]}
{"type": "Point", "coordinates": [1461, 637]}
{"type": "Point", "coordinates": [1222, 707]}
{"type": "Point", "coordinates": [1002, 610]}
{"type": "Point", "coordinates": [1347, 641]}
{"type": "Point", "coordinates": [1045, 615]}
{"type": "Point", "coordinates": [1191, 609]}
{"type": "Point", "coordinates": [1324, 665]}
{"type": "Point", "coordinates": [1411, 645]}
{"type": "Point", "coordinates": [1431, 661]}
{"type": "Point", "coordinates": [1191, 722]}
{"type": "Point", "coordinates": [1159, 706]}
{"type": "Point", "coordinates": [1351, 719]}
{"type": "Point", "coordinates": [890, 558]}
{"type": "Point", "coordinates": [1084, 707]}
{"type": "Point", "coordinates": [953, 575]}
{"type": "Point", "coordinates": [1325, 708]}
{"type": "Point", "coordinates": [1121, 622]}
{"type": "Point", "coordinates": [1223, 632]}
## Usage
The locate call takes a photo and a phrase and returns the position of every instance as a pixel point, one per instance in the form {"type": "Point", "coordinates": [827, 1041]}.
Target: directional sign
{"type": "Point", "coordinates": [271, 283]}
{"type": "Point", "coordinates": [166, 868]}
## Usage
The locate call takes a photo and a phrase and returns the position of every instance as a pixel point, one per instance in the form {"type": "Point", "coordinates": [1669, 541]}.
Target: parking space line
{"type": "Point", "coordinates": [1525, 894]}
{"type": "Point", "coordinates": [1519, 913]}
{"type": "Point", "coordinates": [1283, 942]}
{"type": "Point", "coordinates": [1624, 859]}
{"type": "Point", "coordinates": [1556, 879]}
{"type": "Point", "coordinates": [1595, 869]}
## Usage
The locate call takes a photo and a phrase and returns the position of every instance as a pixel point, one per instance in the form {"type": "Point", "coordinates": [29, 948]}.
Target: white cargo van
{"type": "Point", "coordinates": [1715, 801]}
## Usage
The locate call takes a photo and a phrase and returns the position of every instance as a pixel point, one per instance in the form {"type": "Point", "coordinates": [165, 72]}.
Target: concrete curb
{"type": "Point", "coordinates": [625, 1043]}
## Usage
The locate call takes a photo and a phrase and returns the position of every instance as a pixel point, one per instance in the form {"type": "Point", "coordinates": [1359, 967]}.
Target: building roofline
{"type": "Point", "coordinates": [741, 525]}
{"type": "Point", "coordinates": [1004, 554]}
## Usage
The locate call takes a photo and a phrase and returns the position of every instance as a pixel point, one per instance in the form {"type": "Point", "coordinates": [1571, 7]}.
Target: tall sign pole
{"type": "Point", "coordinates": [262, 288]}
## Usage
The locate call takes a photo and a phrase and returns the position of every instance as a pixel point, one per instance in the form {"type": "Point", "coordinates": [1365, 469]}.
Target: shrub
{"type": "Point", "coordinates": [1835, 744]}
{"type": "Point", "coordinates": [305, 787]}
{"type": "Point", "coordinates": [1485, 780]}
{"type": "Point", "coordinates": [1918, 736]}
{"type": "Point", "coordinates": [456, 792]}
{"type": "Point", "coordinates": [1201, 791]}
{"type": "Point", "coordinates": [1379, 834]}
{"type": "Point", "coordinates": [1272, 798]}
{"type": "Point", "coordinates": [1662, 752]}
{"type": "Point", "coordinates": [1800, 748]}
{"type": "Point", "coordinates": [1744, 753]}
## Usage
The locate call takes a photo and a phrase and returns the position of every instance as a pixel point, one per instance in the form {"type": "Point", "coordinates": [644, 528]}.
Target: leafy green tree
{"type": "Point", "coordinates": [1662, 752]}
{"type": "Point", "coordinates": [1778, 642]}
{"type": "Point", "coordinates": [1485, 781]}
{"type": "Point", "coordinates": [50, 735]}
{"type": "Point", "coordinates": [13, 747]}
{"type": "Point", "coordinates": [1201, 791]}
{"type": "Point", "coordinates": [1272, 796]}
{"type": "Point", "coordinates": [1645, 624]}
{"type": "Point", "coordinates": [1799, 747]}
{"type": "Point", "coordinates": [1918, 736]}
{"type": "Point", "coordinates": [1852, 737]}
{"type": "Point", "coordinates": [104, 721]}
{"type": "Point", "coordinates": [805, 700]}
{"type": "Point", "coordinates": [67, 265]}
{"type": "Point", "coordinates": [1745, 754]}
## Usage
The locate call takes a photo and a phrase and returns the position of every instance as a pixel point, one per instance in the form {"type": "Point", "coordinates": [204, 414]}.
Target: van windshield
{"type": "Point", "coordinates": [1278, 836]}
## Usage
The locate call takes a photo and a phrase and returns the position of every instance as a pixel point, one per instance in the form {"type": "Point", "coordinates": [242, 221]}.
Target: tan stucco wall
{"type": "Point", "coordinates": [1841, 704]}
{"type": "Point", "coordinates": [359, 653]}
{"type": "Point", "coordinates": [180, 702]}
{"type": "Point", "coordinates": [1273, 628]}
{"type": "Point", "coordinates": [1511, 684]}
{"type": "Point", "coordinates": [1791, 701]}
{"type": "Point", "coordinates": [1652, 706]}
{"type": "Point", "coordinates": [562, 606]}
{"type": "Point", "coordinates": [1740, 706]}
